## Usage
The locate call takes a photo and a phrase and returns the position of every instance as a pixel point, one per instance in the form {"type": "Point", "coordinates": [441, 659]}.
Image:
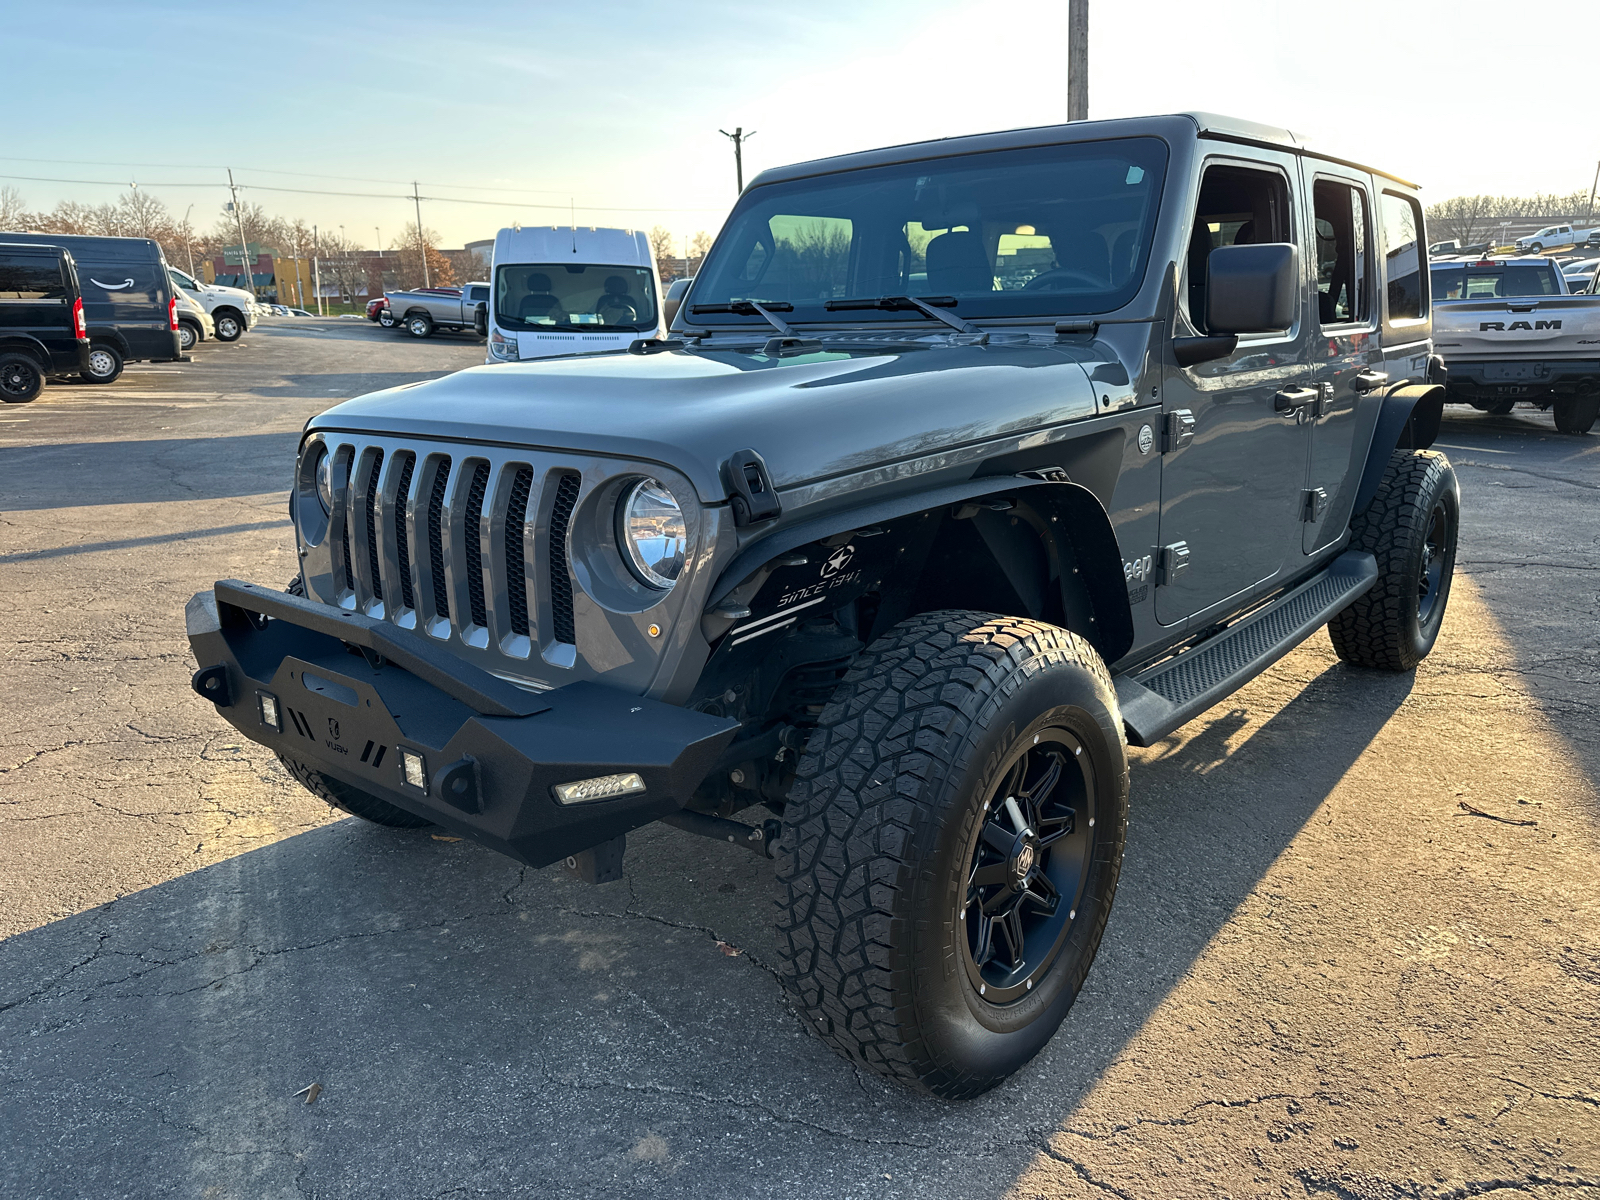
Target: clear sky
{"type": "Point", "coordinates": [616, 106]}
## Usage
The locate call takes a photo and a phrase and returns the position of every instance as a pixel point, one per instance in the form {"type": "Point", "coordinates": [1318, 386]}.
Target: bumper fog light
{"type": "Point", "coordinates": [270, 717]}
{"type": "Point", "coordinates": [602, 787]}
{"type": "Point", "coordinates": [413, 770]}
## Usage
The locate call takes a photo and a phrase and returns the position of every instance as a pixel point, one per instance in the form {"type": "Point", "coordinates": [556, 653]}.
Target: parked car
{"type": "Point", "coordinates": [899, 575]}
{"type": "Point", "coordinates": [300, 312]}
{"type": "Point", "coordinates": [234, 311]}
{"type": "Point", "coordinates": [421, 312]}
{"type": "Point", "coordinates": [1578, 273]}
{"type": "Point", "coordinates": [1552, 236]}
{"type": "Point", "coordinates": [1456, 248]}
{"type": "Point", "coordinates": [128, 300]}
{"type": "Point", "coordinates": [42, 327]}
{"type": "Point", "coordinates": [571, 291]}
{"type": "Point", "coordinates": [194, 322]}
{"type": "Point", "coordinates": [1510, 334]}
{"type": "Point", "coordinates": [375, 307]}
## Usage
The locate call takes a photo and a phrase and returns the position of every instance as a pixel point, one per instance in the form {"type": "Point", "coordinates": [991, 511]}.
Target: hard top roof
{"type": "Point", "coordinates": [1172, 125]}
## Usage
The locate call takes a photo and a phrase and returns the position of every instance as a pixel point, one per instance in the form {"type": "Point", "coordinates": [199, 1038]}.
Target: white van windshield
{"type": "Point", "coordinates": [563, 296]}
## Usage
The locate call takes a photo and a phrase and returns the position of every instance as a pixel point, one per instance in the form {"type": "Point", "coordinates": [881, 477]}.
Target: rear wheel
{"type": "Point", "coordinates": [105, 364]}
{"type": "Point", "coordinates": [419, 326]}
{"type": "Point", "coordinates": [1410, 528]}
{"type": "Point", "coordinates": [21, 378]}
{"type": "Point", "coordinates": [951, 848]}
{"type": "Point", "coordinates": [188, 336]}
{"type": "Point", "coordinates": [1577, 414]}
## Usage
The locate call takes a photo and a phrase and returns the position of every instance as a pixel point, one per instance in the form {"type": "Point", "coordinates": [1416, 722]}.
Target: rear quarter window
{"type": "Point", "coordinates": [31, 277]}
{"type": "Point", "coordinates": [1400, 220]}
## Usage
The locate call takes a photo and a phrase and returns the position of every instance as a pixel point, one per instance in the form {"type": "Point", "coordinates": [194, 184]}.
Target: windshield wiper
{"type": "Point", "coordinates": [901, 303]}
{"type": "Point", "coordinates": [749, 308]}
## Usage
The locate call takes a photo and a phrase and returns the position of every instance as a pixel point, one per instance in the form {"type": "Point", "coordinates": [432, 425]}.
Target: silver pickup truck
{"type": "Point", "coordinates": [1510, 333]}
{"type": "Point", "coordinates": [420, 313]}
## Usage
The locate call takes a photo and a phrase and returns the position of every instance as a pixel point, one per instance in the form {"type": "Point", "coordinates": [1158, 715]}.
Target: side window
{"type": "Point", "coordinates": [1401, 221]}
{"type": "Point", "coordinates": [1237, 206]}
{"type": "Point", "coordinates": [31, 277]}
{"type": "Point", "coordinates": [1342, 262]}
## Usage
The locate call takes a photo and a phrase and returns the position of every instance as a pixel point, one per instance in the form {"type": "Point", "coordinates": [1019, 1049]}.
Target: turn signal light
{"type": "Point", "coordinates": [602, 787]}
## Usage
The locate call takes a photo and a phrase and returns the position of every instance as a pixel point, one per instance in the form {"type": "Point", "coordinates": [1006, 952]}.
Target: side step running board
{"type": "Point", "coordinates": [1158, 700]}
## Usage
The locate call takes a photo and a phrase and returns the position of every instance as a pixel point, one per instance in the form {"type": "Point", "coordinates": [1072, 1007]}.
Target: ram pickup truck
{"type": "Point", "coordinates": [421, 312]}
{"type": "Point", "coordinates": [1510, 334]}
{"type": "Point", "coordinates": [1552, 236]}
{"type": "Point", "coordinates": [966, 464]}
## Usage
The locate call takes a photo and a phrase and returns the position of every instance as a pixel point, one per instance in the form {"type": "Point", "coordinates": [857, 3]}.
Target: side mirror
{"type": "Point", "coordinates": [480, 319]}
{"type": "Point", "coordinates": [1252, 289]}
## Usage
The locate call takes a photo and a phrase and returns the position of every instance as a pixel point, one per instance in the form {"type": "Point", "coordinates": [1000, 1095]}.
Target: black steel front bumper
{"type": "Point", "coordinates": [358, 698]}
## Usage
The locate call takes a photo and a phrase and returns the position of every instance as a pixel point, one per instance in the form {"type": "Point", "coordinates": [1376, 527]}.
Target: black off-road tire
{"type": "Point", "coordinates": [21, 378]}
{"type": "Point", "coordinates": [1576, 414]}
{"type": "Point", "coordinates": [889, 802]}
{"type": "Point", "coordinates": [1410, 528]}
{"type": "Point", "coordinates": [340, 795]}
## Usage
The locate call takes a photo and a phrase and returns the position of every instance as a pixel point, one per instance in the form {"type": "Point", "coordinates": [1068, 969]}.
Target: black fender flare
{"type": "Point", "coordinates": [13, 343]}
{"type": "Point", "coordinates": [1071, 508]}
{"type": "Point", "coordinates": [1408, 420]}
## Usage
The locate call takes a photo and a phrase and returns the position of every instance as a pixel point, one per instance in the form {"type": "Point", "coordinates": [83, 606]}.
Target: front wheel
{"type": "Point", "coordinates": [1576, 414]}
{"type": "Point", "coordinates": [105, 364]}
{"type": "Point", "coordinates": [21, 378]}
{"type": "Point", "coordinates": [951, 848]}
{"type": "Point", "coordinates": [419, 326]}
{"type": "Point", "coordinates": [1410, 528]}
{"type": "Point", "coordinates": [229, 327]}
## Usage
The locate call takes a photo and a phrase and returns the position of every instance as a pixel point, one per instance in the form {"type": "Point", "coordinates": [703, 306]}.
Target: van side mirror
{"type": "Point", "coordinates": [1252, 288]}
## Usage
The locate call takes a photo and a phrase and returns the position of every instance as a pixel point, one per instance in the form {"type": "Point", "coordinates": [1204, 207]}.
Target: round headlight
{"type": "Point", "coordinates": [325, 479]}
{"type": "Point", "coordinates": [653, 533]}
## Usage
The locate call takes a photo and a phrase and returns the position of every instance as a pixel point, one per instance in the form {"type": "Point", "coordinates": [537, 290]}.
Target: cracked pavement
{"type": "Point", "coordinates": [1323, 977]}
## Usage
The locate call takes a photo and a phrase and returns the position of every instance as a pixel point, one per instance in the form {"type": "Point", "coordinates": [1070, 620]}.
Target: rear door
{"type": "Point", "coordinates": [125, 292]}
{"type": "Point", "coordinates": [1235, 465]}
{"type": "Point", "coordinates": [1348, 347]}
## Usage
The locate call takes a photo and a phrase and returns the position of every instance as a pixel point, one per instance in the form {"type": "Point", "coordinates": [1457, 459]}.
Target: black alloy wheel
{"type": "Point", "coordinates": [21, 380]}
{"type": "Point", "coordinates": [1438, 548]}
{"type": "Point", "coordinates": [1028, 863]}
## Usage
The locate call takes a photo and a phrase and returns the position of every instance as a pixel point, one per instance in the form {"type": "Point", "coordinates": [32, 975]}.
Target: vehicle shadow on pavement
{"type": "Point", "coordinates": [145, 471]}
{"type": "Point", "coordinates": [478, 1026]}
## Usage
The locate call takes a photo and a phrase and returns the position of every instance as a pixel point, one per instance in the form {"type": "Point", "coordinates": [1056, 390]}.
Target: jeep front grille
{"type": "Point", "coordinates": [469, 545]}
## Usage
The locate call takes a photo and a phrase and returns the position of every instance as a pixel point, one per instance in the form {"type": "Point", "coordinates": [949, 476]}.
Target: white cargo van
{"type": "Point", "coordinates": [564, 290]}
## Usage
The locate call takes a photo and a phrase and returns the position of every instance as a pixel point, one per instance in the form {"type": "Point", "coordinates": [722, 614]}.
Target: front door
{"type": "Point", "coordinates": [1351, 368]}
{"type": "Point", "coordinates": [1234, 467]}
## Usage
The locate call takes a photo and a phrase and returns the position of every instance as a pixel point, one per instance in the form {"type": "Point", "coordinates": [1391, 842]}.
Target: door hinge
{"type": "Point", "coordinates": [1179, 430]}
{"type": "Point", "coordinates": [1324, 400]}
{"type": "Point", "coordinates": [1313, 503]}
{"type": "Point", "coordinates": [1174, 562]}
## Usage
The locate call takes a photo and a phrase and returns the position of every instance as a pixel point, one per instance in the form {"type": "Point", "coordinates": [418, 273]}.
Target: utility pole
{"type": "Point", "coordinates": [1592, 187]}
{"type": "Point", "coordinates": [244, 250]}
{"type": "Point", "coordinates": [1077, 60]}
{"type": "Point", "coordinates": [738, 137]}
{"type": "Point", "coordinates": [422, 242]}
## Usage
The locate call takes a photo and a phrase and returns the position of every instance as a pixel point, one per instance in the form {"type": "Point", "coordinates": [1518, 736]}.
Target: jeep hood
{"type": "Point", "coordinates": [811, 416]}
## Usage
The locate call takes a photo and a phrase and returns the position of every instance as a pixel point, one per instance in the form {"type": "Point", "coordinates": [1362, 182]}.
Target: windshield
{"type": "Point", "coordinates": [1010, 233]}
{"type": "Point", "coordinates": [562, 296]}
{"type": "Point", "coordinates": [1489, 283]}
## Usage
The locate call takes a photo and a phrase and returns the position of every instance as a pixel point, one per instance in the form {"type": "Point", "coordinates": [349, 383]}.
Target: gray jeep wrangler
{"type": "Point", "coordinates": [967, 464]}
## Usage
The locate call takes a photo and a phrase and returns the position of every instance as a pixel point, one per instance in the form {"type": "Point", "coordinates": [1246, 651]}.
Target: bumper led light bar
{"type": "Point", "coordinates": [602, 787]}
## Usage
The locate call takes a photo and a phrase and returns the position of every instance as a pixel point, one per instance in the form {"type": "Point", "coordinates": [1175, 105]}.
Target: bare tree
{"type": "Point", "coordinates": [1463, 217]}
{"type": "Point", "coordinates": [341, 267]}
{"type": "Point", "coordinates": [661, 249]}
{"type": "Point", "coordinates": [13, 212]}
{"type": "Point", "coordinates": [411, 246]}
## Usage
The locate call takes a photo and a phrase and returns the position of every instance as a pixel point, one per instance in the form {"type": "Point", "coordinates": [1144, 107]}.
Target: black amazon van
{"type": "Point", "coordinates": [131, 311]}
{"type": "Point", "coordinates": [42, 328]}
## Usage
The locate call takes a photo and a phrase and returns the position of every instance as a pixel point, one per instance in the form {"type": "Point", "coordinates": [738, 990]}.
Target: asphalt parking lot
{"type": "Point", "coordinates": [1355, 952]}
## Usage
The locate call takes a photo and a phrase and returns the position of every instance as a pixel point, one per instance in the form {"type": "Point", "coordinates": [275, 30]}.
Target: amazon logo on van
{"type": "Point", "coordinates": [1502, 327]}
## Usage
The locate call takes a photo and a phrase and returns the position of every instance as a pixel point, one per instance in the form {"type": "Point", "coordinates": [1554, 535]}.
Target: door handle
{"type": "Point", "coordinates": [1292, 400]}
{"type": "Point", "coordinates": [1369, 381]}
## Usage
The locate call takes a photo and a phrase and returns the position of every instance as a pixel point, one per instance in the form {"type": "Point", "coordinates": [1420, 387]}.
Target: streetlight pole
{"type": "Point", "coordinates": [187, 243]}
{"type": "Point", "coordinates": [1592, 187]}
{"type": "Point", "coordinates": [738, 137]}
{"type": "Point", "coordinates": [1077, 60]}
{"type": "Point", "coordinates": [316, 270]}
